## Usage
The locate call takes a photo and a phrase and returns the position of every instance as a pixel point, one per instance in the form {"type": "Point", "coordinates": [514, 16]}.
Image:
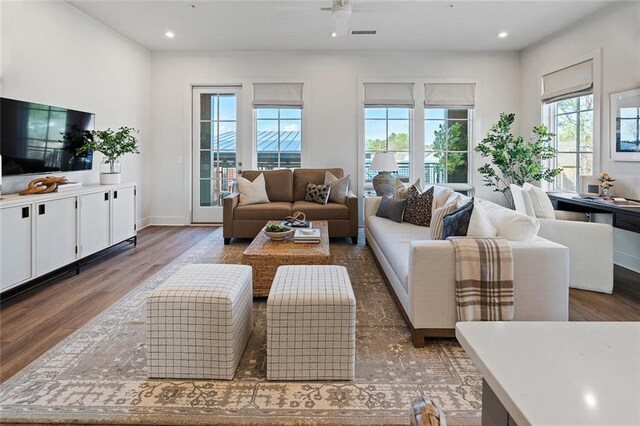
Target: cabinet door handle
{"type": "Point", "coordinates": [41, 209]}
{"type": "Point", "coordinates": [115, 194]}
{"type": "Point", "coordinates": [106, 196]}
{"type": "Point", "coordinates": [25, 212]}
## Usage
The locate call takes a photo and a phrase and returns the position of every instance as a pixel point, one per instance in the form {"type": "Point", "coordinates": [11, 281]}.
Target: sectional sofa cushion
{"type": "Point", "coordinates": [522, 200]}
{"type": "Point", "coordinates": [456, 223]}
{"type": "Point", "coordinates": [391, 209]}
{"type": "Point", "coordinates": [510, 224]}
{"type": "Point", "coordinates": [339, 187]}
{"type": "Point", "coordinates": [394, 240]}
{"type": "Point", "coordinates": [279, 183]}
{"type": "Point", "coordinates": [418, 208]}
{"type": "Point", "coordinates": [301, 177]}
{"type": "Point", "coordinates": [252, 192]}
{"type": "Point", "coordinates": [440, 196]}
{"type": "Point", "coordinates": [541, 203]}
{"type": "Point", "coordinates": [315, 211]}
{"type": "Point", "coordinates": [271, 211]}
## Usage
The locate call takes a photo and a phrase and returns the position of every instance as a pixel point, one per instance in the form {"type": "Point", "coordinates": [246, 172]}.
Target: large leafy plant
{"type": "Point", "coordinates": [113, 144]}
{"type": "Point", "coordinates": [514, 161]}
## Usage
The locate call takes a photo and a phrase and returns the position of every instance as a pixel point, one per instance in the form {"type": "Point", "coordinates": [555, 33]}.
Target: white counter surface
{"type": "Point", "coordinates": [559, 373]}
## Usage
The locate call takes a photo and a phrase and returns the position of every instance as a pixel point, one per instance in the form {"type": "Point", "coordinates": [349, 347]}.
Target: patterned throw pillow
{"type": "Point", "coordinates": [401, 189]}
{"type": "Point", "coordinates": [418, 208]}
{"type": "Point", "coordinates": [456, 223]}
{"type": "Point", "coordinates": [436, 219]}
{"type": "Point", "coordinates": [339, 187]}
{"type": "Point", "coordinates": [317, 193]}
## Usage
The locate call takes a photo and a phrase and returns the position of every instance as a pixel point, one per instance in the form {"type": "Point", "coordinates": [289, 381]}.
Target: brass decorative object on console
{"type": "Point", "coordinates": [44, 185]}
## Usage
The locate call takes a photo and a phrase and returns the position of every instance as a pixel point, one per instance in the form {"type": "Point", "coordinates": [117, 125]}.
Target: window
{"type": "Point", "coordinates": [628, 129]}
{"type": "Point", "coordinates": [447, 135]}
{"type": "Point", "coordinates": [387, 129]}
{"type": "Point", "coordinates": [572, 123]}
{"type": "Point", "coordinates": [278, 115]}
{"type": "Point", "coordinates": [279, 138]}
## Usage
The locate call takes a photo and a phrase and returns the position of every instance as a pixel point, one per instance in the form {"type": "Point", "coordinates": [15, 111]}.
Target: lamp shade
{"type": "Point", "coordinates": [384, 161]}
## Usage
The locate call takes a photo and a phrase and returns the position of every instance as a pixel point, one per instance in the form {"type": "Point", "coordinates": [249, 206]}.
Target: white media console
{"type": "Point", "coordinates": [42, 233]}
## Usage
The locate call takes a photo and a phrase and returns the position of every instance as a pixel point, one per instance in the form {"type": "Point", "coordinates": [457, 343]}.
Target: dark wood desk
{"type": "Point", "coordinates": [627, 218]}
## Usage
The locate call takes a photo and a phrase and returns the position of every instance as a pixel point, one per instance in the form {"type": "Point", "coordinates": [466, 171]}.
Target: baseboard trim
{"type": "Point", "coordinates": [626, 261]}
{"type": "Point", "coordinates": [167, 221]}
{"type": "Point", "coordinates": [143, 223]}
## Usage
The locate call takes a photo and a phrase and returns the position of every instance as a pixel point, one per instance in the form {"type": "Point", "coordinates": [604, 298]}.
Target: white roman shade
{"type": "Point", "coordinates": [277, 95]}
{"type": "Point", "coordinates": [388, 95]}
{"type": "Point", "coordinates": [449, 95]}
{"type": "Point", "coordinates": [568, 82]}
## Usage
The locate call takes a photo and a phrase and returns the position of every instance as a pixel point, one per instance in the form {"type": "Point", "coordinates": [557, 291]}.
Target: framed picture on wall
{"type": "Point", "coordinates": [625, 125]}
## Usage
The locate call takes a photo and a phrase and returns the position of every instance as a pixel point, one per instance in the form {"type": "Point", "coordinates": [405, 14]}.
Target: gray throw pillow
{"type": "Point", "coordinates": [317, 193]}
{"type": "Point", "coordinates": [456, 223]}
{"type": "Point", "coordinates": [339, 187]}
{"type": "Point", "coordinates": [418, 208]}
{"type": "Point", "coordinates": [391, 209]}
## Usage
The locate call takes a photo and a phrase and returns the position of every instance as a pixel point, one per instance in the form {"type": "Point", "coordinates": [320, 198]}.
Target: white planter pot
{"type": "Point", "coordinates": [110, 178]}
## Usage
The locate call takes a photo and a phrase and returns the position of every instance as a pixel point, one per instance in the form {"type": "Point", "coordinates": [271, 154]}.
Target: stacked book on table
{"type": "Point", "coordinates": [306, 236]}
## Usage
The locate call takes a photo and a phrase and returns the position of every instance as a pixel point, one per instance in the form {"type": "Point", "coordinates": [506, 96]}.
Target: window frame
{"type": "Point", "coordinates": [278, 119]}
{"type": "Point", "coordinates": [469, 151]}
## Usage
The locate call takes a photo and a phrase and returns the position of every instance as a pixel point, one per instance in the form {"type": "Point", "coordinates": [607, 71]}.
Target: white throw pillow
{"type": "Point", "coordinates": [252, 192]}
{"type": "Point", "coordinates": [440, 195]}
{"type": "Point", "coordinates": [511, 225]}
{"type": "Point", "coordinates": [541, 203]}
{"type": "Point", "coordinates": [522, 200]}
{"type": "Point", "coordinates": [480, 225]}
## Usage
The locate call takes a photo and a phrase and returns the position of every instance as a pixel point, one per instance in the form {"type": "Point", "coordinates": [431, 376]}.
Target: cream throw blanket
{"type": "Point", "coordinates": [484, 279]}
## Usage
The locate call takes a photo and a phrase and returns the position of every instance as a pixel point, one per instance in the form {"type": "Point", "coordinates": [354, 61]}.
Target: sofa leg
{"type": "Point", "coordinates": [227, 241]}
{"type": "Point", "coordinates": [354, 240]}
{"type": "Point", "coordinates": [417, 338]}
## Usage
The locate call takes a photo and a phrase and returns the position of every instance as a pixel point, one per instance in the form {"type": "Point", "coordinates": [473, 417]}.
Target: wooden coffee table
{"type": "Point", "coordinates": [265, 255]}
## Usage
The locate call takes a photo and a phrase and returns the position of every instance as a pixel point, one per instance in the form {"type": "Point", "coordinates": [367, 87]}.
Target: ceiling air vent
{"type": "Point", "coordinates": [365, 32]}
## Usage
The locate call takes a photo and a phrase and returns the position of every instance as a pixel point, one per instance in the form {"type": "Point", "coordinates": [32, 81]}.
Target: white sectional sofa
{"type": "Point", "coordinates": [421, 273]}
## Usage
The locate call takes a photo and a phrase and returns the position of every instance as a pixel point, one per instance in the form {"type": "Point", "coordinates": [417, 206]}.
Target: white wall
{"type": "Point", "coordinates": [616, 31]}
{"type": "Point", "coordinates": [331, 113]}
{"type": "Point", "coordinates": [54, 54]}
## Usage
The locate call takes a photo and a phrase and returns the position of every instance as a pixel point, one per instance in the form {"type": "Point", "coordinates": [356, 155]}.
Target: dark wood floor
{"type": "Point", "coordinates": [35, 321]}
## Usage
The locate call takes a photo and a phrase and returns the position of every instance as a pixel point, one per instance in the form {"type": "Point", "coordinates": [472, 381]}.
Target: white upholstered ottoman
{"type": "Point", "coordinates": [199, 322]}
{"type": "Point", "coordinates": [311, 324]}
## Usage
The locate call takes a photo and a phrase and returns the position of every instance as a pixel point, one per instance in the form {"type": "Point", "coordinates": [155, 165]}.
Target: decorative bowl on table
{"type": "Point", "coordinates": [277, 232]}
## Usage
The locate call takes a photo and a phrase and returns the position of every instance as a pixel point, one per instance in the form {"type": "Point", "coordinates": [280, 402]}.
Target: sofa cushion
{"type": "Point", "coordinates": [391, 209]}
{"type": "Point", "coordinates": [252, 192]}
{"type": "Point", "coordinates": [268, 211]}
{"type": "Point", "coordinates": [540, 200]}
{"type": "Point", "coordinates": [393, 239]}
{"type": "Point", "coordinates": [480, 225]}
{"type": "Point", "coordinates": [339, 187]}
{"type": "Point", "coordinates": [418, 208]}
{"type": "Point", "coordinates": [510, 224]}
{"type": "Point", "coordinates": [456, 223]}
{"type": "Point", "coordinates": [279, 183]}
{"type": "Point", "coordinates": [440, 196]}
{"type": "Point", "coordinates": [301, 177]}
{"type": "Point", "coordinates": [316, 211]}
{"type": "Point", "coordinates": [522, 200]}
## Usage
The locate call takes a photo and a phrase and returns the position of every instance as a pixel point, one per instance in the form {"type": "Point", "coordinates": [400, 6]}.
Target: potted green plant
{"type": "Point", "coordinates": [113, 144]}
{"type": "Point", "coordinates": [514, 161]}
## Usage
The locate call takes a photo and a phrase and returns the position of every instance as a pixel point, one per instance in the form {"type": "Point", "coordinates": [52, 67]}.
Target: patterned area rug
{"type": "Point", "coordinates": [97, 375]}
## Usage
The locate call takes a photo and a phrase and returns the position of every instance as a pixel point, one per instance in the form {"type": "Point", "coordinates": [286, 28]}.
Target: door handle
{"type": "Point", "coordinates": [106, 196]}
{"type": "Point", "coordinates": [115, 194]}
{"type": "Point", "coordinates": [41, 209]}
{"type": "Point", "coordinates": [25, 212]}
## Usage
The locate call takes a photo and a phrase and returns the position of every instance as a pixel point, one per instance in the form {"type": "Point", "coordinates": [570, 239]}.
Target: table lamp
{"type": "Point", "coordinates": [384, 163]}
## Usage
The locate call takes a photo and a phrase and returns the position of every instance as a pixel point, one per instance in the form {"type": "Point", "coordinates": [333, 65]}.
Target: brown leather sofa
{"type": "Point", "coordinates": [286, 191]}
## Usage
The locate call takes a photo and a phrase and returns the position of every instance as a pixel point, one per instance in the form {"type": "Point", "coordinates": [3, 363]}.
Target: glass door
{"type": "Point", "coordinates": [216, 112]}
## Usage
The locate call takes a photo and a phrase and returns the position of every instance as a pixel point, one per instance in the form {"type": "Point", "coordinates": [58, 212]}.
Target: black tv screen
{"type": "Point", "coordinates": [36, 138]}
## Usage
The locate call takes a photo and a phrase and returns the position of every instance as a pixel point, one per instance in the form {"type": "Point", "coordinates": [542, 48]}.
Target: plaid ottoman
{"type": "Point", "coordinates": [311, 324]}
{"type": "Point", "coordinates": [199, 322]}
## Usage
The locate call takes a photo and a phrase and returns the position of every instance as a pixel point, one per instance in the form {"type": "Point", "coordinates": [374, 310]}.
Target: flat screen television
{"type": "Point", "coordinates": [36, 138]}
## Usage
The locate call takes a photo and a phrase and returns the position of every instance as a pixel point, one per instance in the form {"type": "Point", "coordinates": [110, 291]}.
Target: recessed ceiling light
{"type": "Point", "coordinates": [334, 34]}
{"type": "Point", "coordinates": [169, 34]}
{"type": "Point", "coordinates": [503, 34]}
